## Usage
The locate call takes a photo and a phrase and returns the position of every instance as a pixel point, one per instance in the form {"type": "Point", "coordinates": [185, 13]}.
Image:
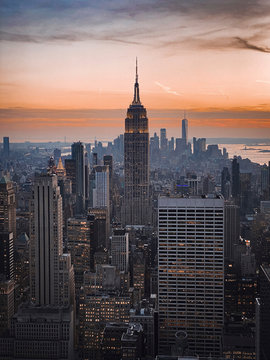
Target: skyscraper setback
{"type": "Point", "coordinates": [136, 162]}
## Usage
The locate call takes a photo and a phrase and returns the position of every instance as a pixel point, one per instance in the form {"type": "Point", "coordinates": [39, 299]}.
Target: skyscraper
{"type": "Point", "coordinates": [231, 228]}
{"type": "Point", "coordinates": [163, 140]}
{"type": "Point", "coordinates": [136, 162]}
{"type": "Point", "coordinates": [225, 183]}
{"type": "Point", "coordinates": [235, 179]}
{"type": "Point", "coordinates": [263, 315]}
{"type": "Point", "coordinates": [7, 227]}
{"type": "Point", "coordinates": [101, 192]}
{"type": "Point", "coordinates": [47, 262]}
{"type": "Point", "coordinates": [45, 326]}
{"type": "Point", "coordinates": [120, 249]}
{"type": "Point", "coordinates": [78, 242]}
{"type": "Point", "coordinates": [185, 130]}
{"type": "Point", "coordinates": [77, 150]}
{"type": "Point", "coordinates": [190, 271]}
{"type": "Point", "coordinates": [6, 146]}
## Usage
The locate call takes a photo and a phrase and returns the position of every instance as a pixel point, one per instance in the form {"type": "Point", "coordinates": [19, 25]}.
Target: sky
{"type": "Point", "coordinates": [67, 67]}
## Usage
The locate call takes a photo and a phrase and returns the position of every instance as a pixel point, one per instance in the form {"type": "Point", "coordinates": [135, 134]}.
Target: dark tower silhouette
{"type": "Point", "coordinates": [235, 179]}
{"type": "Point", "coordinates": [225, 182]}
{"type": "Point", "coordinates": [77, 150]}
{"type": "Point", "coordinates": [136, 162]}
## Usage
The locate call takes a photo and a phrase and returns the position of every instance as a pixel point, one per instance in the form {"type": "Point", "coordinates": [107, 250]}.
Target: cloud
{"type": "Point", "coordinates": [69, 37]}
{"type": "Point", "coordinates": [155, 23]}
{"type": "Point", "coordinates": [167, 89]}
{"type": "Point", "coordinates": [245, 44]}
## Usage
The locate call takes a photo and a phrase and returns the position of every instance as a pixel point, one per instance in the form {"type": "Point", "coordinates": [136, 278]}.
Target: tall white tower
{"type": "Point", "coordinates": [190, 272]}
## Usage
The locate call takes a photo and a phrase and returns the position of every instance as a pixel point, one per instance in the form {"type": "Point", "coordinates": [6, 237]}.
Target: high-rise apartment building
{"type": "Point", "coordinates": [136, 163]}
{"type": "Point", "coordinates": [77, 150]}
{"type": "Point", "coordinates": [190, 271]}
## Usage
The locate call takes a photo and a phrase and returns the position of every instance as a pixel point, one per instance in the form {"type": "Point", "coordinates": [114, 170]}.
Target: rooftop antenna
{"type": "Point", "coordinates": [136, 69]}
{"type": "Point", "coordinates": [136, 99]}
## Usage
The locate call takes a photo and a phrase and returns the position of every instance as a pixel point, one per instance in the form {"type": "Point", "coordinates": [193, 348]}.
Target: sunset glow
{"type": "Point", "coordinates": [69, 67]}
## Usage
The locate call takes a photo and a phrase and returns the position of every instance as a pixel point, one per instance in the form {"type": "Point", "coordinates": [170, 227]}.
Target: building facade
{"type": "Point", "coordinates": [120, 250]}
{"type": "Point", "coordinates": [190, 271]}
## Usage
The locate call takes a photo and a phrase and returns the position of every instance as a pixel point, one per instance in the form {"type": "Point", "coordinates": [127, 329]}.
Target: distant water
{"type": "Point", "coordinates": [252, 152]}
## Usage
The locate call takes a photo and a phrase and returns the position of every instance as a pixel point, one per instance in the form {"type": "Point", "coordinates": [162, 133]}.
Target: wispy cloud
{"type": "Point", "coordinates": [245, 44]}
{"type": "Point", "coordinates": [167, 89]}
{"type": "Point", "coordinates": [68, 37]}
{"type": "Point", "coordinates": [138, 23]}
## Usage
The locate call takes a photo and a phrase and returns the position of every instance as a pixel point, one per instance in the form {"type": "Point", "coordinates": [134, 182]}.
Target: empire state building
{"type": "Point", "coordinates": [136, 162]}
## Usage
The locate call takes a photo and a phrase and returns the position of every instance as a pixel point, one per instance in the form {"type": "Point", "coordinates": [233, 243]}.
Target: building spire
{"type": "Point", "coordinates": [136, 99]}
{"type": "Point", "coordinates": [136, 69]}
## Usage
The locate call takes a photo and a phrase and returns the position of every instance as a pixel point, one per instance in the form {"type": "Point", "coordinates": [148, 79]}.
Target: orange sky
{"type": "Point", "coordinates": [58, 73]}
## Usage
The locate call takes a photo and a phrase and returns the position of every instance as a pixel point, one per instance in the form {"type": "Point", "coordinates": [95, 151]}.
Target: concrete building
{"type": "Point", "coordinates": [111, 341]}
{"type": "Point", "coordinates": [40, 333]}
{"type": "Point", "coordinates": [6, 304]}
{"type": "Point", "coordinates": [133, 342]}
{"type": "Point", "coordinates": [148, 318]}
{"type": "Point", "coordinates": [46, 240]}
{"type": "Point", "coordinates": [191, 272]}
{"type": "Point", "coordinates": [101, 192]}
{"type": "Point", "coordinates": [79, 243]}
{"type": "Point", "coordinates": [44, 328]}
{"type": "Point", "coordinates": [120, 250]}
{"type": "Point", "coordinates": [263, 315]}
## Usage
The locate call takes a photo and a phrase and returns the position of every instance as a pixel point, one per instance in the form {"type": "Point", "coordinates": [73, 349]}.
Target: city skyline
{"type": "Point", "coordinates": [67, 69]}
